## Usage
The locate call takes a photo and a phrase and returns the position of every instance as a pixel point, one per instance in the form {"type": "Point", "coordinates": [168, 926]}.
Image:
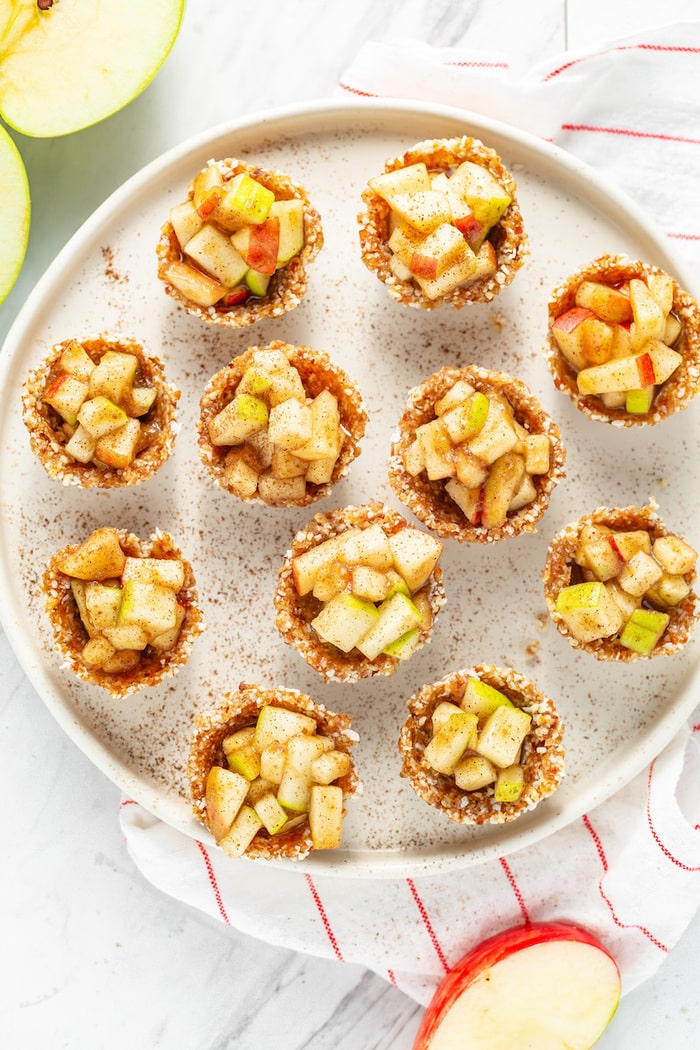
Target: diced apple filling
{"type": "Point", "coordinates": [486, 458]}
{"type": "Point", "coordinates": [478, 741]}
{"type": "Point", "coordinates": [620, 340]}
{"type": "Point", "coordinates": [233, 236]}
{"type": "Point", "coordinates": [127, 605]}
{"type": "Point", "coordinates": [279, 772]}
{"type": "Point", "coordinates": [440, 224]}
{"type": "Point", "coordinates": [371, 589]}
{"type": "Point", "coordinates": [628, 585]}
{"type": "Point", "coordinates": [281, 439]}
{"type": "Point", "coordinates": [103, 406]}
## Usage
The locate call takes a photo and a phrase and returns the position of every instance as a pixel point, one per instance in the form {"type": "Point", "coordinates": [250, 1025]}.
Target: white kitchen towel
{"type": "Point", "coordinates": [629, 870]}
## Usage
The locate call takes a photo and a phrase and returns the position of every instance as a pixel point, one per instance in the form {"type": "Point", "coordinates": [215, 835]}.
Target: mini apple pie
{"type": "Point", "coordinates": [100, 413]}
{"type": "Point", "coordinates": [624, 342]}
{"type": "Point", "coordinates": [475, 457]}
{"type": "Point", "coordinates": [358, 592]}
{"type": "Point", "coordinates": [619, 585]}
{"type": "Point", "coordinates": [270, 772]}
{"type": "Point", "coordinates": [482, 745]}
{"type": "Point", "coordinates": [280, 424]}
{"type": "Point", "coordinates": [443, 225]}
{"type": "Point", "coordinates": [123, 611]}
{"type": "Point", "coordinates": [236, 250]}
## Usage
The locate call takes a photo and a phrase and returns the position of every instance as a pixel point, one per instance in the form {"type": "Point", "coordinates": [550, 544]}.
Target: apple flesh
{"type": "Point", "coordinates": [113, 51]}
{"type": "Point", "coordinates": [543, 986]}
{"type": "Point", "coordinates": [15, 207]}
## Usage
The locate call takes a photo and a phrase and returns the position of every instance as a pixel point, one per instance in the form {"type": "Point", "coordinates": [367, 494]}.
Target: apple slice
{"type": "Point", "coordinates": [543, 985]}
{"type": "Point", "coordinates": [15, 207]}
{"type": "Point", "coordinates": [112, 51]}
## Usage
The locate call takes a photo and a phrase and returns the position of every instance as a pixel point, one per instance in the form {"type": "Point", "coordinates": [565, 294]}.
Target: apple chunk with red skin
{"type": "Point", "coordinates": [542, 986]}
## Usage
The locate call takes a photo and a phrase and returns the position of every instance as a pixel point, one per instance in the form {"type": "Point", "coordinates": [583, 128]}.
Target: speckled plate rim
{"type": "Point", "coordinates": [496, 841]}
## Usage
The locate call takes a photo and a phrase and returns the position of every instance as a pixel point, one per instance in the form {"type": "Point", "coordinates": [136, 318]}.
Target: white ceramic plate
{"type": "Point", "coordinates": [104, 281]}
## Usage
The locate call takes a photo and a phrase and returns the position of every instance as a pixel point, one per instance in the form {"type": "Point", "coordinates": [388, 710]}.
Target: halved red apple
{"type": "Point", "coordinates": [541, 986]}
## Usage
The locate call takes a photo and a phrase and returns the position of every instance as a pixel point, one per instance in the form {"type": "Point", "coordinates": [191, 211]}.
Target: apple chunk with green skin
{"type": "Point", "coordinates": [15, 207]}
{"type": "Point", "coordinates": [549, 986]}
{"type": "Point", "coordinates": [112, 51]}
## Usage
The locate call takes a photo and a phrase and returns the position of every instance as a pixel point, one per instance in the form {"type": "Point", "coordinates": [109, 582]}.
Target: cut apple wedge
{"type": "Point", "coordinates": [15, 207]}
{"type": "Point", "coordinates": [113, 51]}
{"type": "Point", "coordinates": [542, 986]}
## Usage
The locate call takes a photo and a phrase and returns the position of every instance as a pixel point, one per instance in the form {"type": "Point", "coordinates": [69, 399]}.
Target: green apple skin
{"type": "Point", "coordinates": [113, 51]}
{"type": "Point", "coordinates": [15, 208]}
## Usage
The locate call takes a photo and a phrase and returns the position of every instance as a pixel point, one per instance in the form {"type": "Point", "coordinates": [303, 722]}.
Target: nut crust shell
{"type": "Point", "coordinates": [557, 574]}
{"type": "Point", "coordinates": [288, 285]}
{"type": "Point", "coordinates": [70, 635]}
{"type": "Point", "coordinates": [240, 709]}
{"type": "Point", "coordinates": [429, 500]}
{"type": "Point", "coordinates": [293, 613]}
{"type": "Point", "coordinates": [676, 393]}
{"type": "Point", "coordinates": [510, 239]}
{"type": "Point", "coordinates": [48, 441]}
{"type": "Point", "coordinates": [317, 372]}
{"type": "Point", "coordinates": [542, 754]}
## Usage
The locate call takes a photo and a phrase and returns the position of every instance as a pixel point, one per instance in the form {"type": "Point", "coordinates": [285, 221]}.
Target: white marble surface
{"type": "Point", "coordinates": [92, 955]}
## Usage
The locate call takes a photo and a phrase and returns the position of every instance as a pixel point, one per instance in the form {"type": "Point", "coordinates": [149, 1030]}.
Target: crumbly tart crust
{"type": "Point", "coordinates": [429, 500]}
{"type": "Point", "coordinates": [676, 393]}
{"type": "Point", "coordinates": [510, 239]}
{"type": "Point", "coordinates": [240, 709]}
{"type": "Point", "coordinates": [70, 635]}
{"type": "Point", "coordinates": [559, 567]}
{"type": "Point", "coordinates": [48, 441]}
{"type": "Point", "coordinates": [542, 754]}
{"type": "Point", "coordinates": [318, 372]}
{"type": "Point", "coordinates": [294, 613]}
{"type": "Point", "coordinates": [287, 287]}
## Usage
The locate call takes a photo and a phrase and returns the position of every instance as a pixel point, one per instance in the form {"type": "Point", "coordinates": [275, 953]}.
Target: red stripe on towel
{"type": "Point", "coordinates": [212, 880]}
{"type": "Point", "coordinates": [630, 133]}
{"type": "Point", "coordinates": [428, 925]}
{"type": "Point", "coordinates": [621, 925]}
{"type": "Point", "coordinates": [677, 49]}
{"type": "Point", "coordinates": [516, 890]}
{"type": "Point", "coordinates": [324, 918]}
{"type": "Point", "coordinates": [479, 65]}
{"type": "Point", "coordinates": [655, 835]}
{"type": "Point", "coordinates": [356, 91]}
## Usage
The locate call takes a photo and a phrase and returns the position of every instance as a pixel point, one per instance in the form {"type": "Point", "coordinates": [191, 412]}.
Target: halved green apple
{"type": "Point", "coordinates": [67, 65]}
{"type": "Point", "coordinates": [14, 213]}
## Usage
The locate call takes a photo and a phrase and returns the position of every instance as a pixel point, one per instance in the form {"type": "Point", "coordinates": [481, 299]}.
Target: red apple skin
{"type": "Point", "coordinates": [55, 385]}
{"type": "Point", "coordinates": [613, 544]}
{"type": "Point", "coordinates": [423, 266]}
{"type": "Point", "coordinates": [235, 297]}
{"type": "Point", "coordinates": [486, 955]}
{"type": "Point", "coordinates": [471, 229]}
{"type": "Point", "coordinates": [645, 367]}
{"type": "Point", "coordinates": [210, 202]}
{"type": "Point", "coordinates": [572, 318]}
{"type": "Point", "coordinates": [263, 246]}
